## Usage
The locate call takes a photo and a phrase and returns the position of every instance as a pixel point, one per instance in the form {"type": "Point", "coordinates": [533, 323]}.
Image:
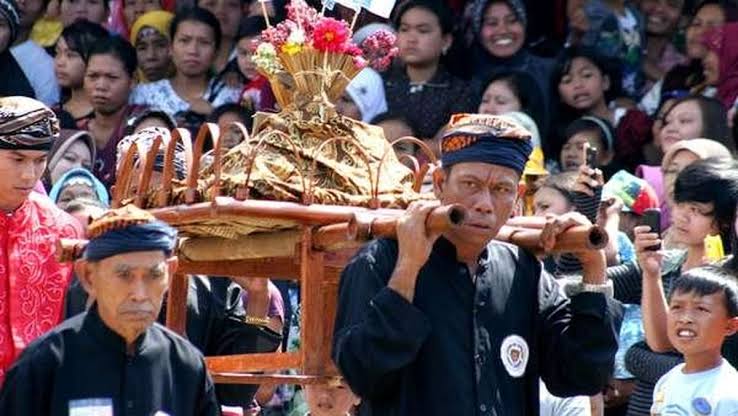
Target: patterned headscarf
{"type": "Point", "coordinates": [144, 139]}
{"type": "Point", "coordinates": [26, 124]}
{"type": "Point", "coordinates": [9, 10]}
{"type": "Point", "coordinates": [497, 140]}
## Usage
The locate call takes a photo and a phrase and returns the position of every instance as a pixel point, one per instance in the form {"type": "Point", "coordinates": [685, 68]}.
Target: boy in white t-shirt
{"type": "Point", "coordinates": [703, 310]}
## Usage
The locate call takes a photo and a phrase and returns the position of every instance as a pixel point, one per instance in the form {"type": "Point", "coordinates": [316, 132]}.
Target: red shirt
{"type": "Point", "coordinates": [32, 282]}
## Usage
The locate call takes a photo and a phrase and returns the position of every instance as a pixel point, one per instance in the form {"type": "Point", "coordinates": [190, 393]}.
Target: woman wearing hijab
{"type": "Point", "coordinates": [150, 37]}
{"type": "Point", "coordinates": [74, 149]}
{"type": "Point", "coordinates": [13, 80]}
{"type": "Point", "coordinates": [721, 62]}
{"type": "Point", "coordinates": [689, 78]}
{"type": "Point", "coordinates": [500, 43]}
{"type": "Point", "coordinates": [78, 184]}
{"type": "Point", "coordinates": [364, 97]}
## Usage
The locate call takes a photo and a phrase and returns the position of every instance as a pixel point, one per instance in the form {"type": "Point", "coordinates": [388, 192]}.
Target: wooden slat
{"type": "Point", "coordinates": [269, 379]}
{"type": "Point", "coordinates": [274, 267]}
{"type": "Point", "coordinates": [177, 303]}
{"type": "Point", "coordinates": [312, 341]}
{"type": "Point", "coordinates": [253, 362]}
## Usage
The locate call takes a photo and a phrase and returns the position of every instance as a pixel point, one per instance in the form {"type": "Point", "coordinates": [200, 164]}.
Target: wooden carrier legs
{"type": "Point", "coordinates": [318, 273]}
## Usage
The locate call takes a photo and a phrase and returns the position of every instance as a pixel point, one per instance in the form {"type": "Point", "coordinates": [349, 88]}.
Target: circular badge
{"type": "Point", "coordinates": [701, 406]}
{"type": "Point", "coordinates": [514, 354]}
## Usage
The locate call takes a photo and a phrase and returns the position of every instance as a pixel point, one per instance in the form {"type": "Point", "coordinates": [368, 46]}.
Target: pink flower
{"type": "Point", "coordinates": [303, 15]}
{"type": "Point", "coordinates": [331, 35]}
{"type": "Point", "coordinates": [379, 49]}
{"type": "Point", "coordinates": [277, 35]}
{"type": "Point", "coordinates": [360, 62]}
{"type": "Point", "coordinates": [353, 50]}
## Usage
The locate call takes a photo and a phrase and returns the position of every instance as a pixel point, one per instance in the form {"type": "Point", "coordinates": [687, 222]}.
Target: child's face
{"type": "Point", "coordinates": [583, 87]}
{"type": "Point", "coordinates": [681, 160]}
{"type": "Point", "coordinates": [326, 400]}
{"type": "Point", "coordinates": [499, 98]}
{"type": "Point", "coordinates": [572, 154]}
{"type": "Point", "coordinates": [346, 106]}
{"type": "Point", "coordinates": [692, 222]}
{"type": "Point", "coordinates": [244, 52]}
{"type": "Point", "coordinates": [550, 201]}
{"type": "Point", "coordinates": [697, 325]}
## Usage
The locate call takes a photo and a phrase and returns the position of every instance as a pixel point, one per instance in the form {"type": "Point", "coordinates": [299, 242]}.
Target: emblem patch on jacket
{"type": "Point", "coordinates": [514, 354]}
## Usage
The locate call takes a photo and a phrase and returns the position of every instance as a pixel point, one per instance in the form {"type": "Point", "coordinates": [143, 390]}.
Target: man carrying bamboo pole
{"type": "Point", "coordinates": [459, 324]}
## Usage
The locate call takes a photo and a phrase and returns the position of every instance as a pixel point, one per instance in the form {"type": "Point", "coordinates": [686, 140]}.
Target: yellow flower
{"type": "Point", "coordinates": [291, 48]}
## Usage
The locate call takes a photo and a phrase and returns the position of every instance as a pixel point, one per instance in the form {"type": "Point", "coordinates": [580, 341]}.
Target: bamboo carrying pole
{"type": "Point", "coordinates": [525, 232]}
{"type": "Point", "coordinates": [365, 225]}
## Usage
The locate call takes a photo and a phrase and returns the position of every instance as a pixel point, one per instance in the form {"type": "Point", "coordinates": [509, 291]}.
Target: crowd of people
{"type": "Point", "coordinates": [629, 107]}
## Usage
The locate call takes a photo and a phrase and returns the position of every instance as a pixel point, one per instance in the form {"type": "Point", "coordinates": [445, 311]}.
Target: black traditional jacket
{"type": "Point", "coordinates": [467, 345]}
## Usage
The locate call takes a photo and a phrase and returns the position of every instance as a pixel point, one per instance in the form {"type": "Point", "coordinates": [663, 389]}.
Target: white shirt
{"type": "Point", "coordinates": [39, 69]}
{"type": "Point", "coordinates": [712, 392]}
{"type": "Point", "coordinates": [162, 96]}
{"type": "Point", "coordinates": [551, 405]}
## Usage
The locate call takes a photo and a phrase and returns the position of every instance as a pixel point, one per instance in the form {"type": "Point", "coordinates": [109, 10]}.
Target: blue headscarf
{"type": "Point", "coordinates": [83, 176]}
{"type": "Point", "coordinates": [126, 230]}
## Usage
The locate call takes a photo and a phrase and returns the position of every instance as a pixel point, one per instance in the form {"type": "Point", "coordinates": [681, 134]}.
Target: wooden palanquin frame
{"type": "Point", "coordinates": [322, 249]}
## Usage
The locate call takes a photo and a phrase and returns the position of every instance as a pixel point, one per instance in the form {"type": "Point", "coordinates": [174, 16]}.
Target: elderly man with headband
{"type": "Point", "coordinates": [115, 358]}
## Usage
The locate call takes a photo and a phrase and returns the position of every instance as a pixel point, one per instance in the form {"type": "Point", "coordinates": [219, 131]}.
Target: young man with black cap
{"type": "Point", "coordinates": [457, 323]}
{"type": "Point", "coordinates": [114, 358]}
{"type": "Point", "coordinates": [32, 281]}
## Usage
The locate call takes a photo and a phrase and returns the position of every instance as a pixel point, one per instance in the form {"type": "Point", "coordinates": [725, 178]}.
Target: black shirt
{"type": "Point", "coordinates": [215, 325]}
{"type": "Point", "coordinates": [428, 106]}
{"type": "Point", "coordinates": [467, 346]}
{"type": "Point", "coordinates": [82, 363]}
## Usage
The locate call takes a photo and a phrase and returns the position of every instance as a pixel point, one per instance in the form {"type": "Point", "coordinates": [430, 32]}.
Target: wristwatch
{"type": "Point", "coordinates": [252, 320]}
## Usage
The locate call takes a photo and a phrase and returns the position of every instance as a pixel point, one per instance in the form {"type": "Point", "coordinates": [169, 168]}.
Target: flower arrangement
{"type": "Point", "coordinates": [313, 54]}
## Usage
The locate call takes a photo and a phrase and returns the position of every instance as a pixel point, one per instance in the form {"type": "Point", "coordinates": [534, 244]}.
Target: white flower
{"type": "Point", "coordinates": [296, 37]}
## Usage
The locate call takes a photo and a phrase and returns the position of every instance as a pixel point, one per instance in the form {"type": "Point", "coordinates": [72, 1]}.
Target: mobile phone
{"type": "Point", "coordinates": [652, 218]}
{"type": "Point", "coordinates": [714, 250]}
{"type": "Point", "coordinates": [591, 157]}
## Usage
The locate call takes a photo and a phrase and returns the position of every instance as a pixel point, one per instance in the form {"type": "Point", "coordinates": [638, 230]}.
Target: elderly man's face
{"type": "Point", "coordinates": [129, 289]}
{"type": "Point", "coordinates": [488, 192]}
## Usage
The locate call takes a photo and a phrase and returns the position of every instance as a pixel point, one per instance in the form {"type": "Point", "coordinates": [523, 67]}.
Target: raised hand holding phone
{"type": "Point", "coordinates": [648, 243]}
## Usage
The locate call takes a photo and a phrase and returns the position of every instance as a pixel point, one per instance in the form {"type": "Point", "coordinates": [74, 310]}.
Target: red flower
{"type": "Point", "coordinates": [331, 35]}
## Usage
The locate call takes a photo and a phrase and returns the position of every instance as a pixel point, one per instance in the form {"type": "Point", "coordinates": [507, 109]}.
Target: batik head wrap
{"type": "Point", "coordinates": [26, 124]}
{"type": "Point", "coordinates": [493, 139]}
{"type": "Point", "coordinates": [128, 229]}
{"type": "Point", "coordinates": [144, 139]}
